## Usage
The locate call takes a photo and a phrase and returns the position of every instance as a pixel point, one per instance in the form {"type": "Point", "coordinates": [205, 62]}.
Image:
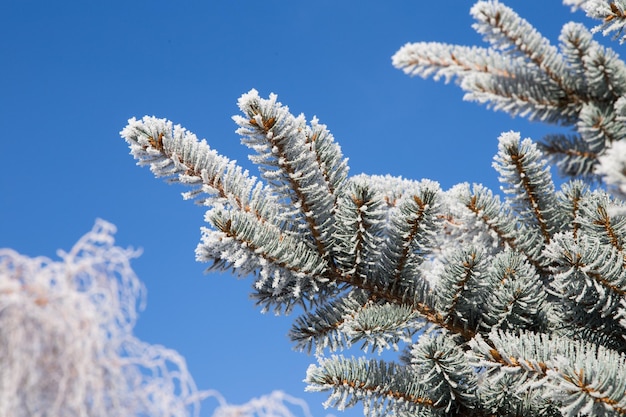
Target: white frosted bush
{"type": "Point", "coordinates": [276, 404]}
{"type": "Point", "coordinates": [66, 342]}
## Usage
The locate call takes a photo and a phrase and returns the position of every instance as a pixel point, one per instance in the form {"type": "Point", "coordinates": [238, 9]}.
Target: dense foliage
{"type": "Point", "coordinates": [511, 305]}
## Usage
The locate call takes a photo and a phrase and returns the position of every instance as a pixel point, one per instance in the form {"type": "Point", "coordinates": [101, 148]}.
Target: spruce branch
{"type": "Point", "coordinates": [330, 160]}
{"type": "Point", "coordinates": [261, 232]}
{"type": "Point", "coordinates": [503, 82]}
{"type": "Point", "coordinates": [508, 32]}
{"type": "Point", "coordinates": [353, 318]}
{"type": "Point", "coordinates": [599, 127]}
{"type": "Point", "coordinates": [418, 298]}
{"type": "Point", "coordinates": [380, 259]}
{"type": "Point", "coordinates": [605, 74]}
{"type": "Point", "coordinates": [360, 217]}
{"type": "Point", "coordinates": [498, 218]}
{"type": "Point", "coordinates": [321, 328]}
{"type": "Point", "coordinates": [570, 153]}
{"type": "Point", "coordinates": [381, 326]}
{"type": "Point", "coordinates": [527, 179]}
{"type": "Point", "coordinates": [518, 299]}
{"type": "Point", "coordinates": [382, 387]}
{"type": "Point", "coordinates": [442, 364]}
{"type": "Point", "coordinates": [612, 14]}
{"type": "Point", "coordinates": [385, 227]}
{"type": "Point", "coordinates": [305, 175]}
{"type": "Point", "coordinates": [288, 272]}
{"type": "Point", "coordinates": [413, 223]}
{"type": "Point", "coordinates": [590, 279]}
{"type": "Point", "coordinates": [576, 42]}
{"type": "Point", "coordinates": [445, 61]}
{"type": "Point", "coordinates": [522, 74]}
{"type": "Point", "coordinates": [176, 154]}
{"type": "Point", "coordinates": [595, 219]}
{"type": "Point", "coordinates": [597, 263]}
{"type": "Point", "coordinates": [461, 289]}
{"type": "Point", "coordinates": [523, 95]}
{"type": "Point", "coordinates": [572, 374]}
{"type": "Point", "coordinates": [267, 242]}
{"type": "Point", "coordinates": [571, 197]}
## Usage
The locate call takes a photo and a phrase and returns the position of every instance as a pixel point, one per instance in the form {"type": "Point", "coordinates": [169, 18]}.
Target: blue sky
{"type": "Point", "coordinates": [73, 72]}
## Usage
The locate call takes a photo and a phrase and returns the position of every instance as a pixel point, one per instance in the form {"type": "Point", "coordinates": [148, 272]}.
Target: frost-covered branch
{"type": "Point", "coordinates": [611, 13]}
{"type": "Point", "coordinates": [66, 342]}
{"type": "Point", "coordinates": [573, 376]}
{"type": "Point", "coordinates": [275, 404]}
{"type": "Point", "coordinates": [503, 305]}
{"type": "Point", "coordinates": [578, 84]}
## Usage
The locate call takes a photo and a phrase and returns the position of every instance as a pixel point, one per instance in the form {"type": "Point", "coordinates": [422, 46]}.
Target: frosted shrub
{"type": "Point", "coordinates": [66, 342]}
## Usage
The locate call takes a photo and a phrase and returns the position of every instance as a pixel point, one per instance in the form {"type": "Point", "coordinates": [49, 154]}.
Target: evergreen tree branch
{"type": "Point", "coordinates": [297, 170]}
{"type": "Point", "coordinates": [571, 197]}
{"type": "Point", "coordinates": [570, 153]}
{"type": "Point", "coordinates": [321, 328]}
{"type": "Point", "coordinates": [382, 258]}
{"type": "Point", "coordinates": [360, 217]}
{"type": "Point", "coordinates": [267, 242]}
{"type": "Point", "coordinates": [599, 127]}
{"type": "Point", "coordinates": [612, 14]}
{"type": "Point", "coordinates": [286, 267]}
{"type": "Point", "coordinates": [609, 226]}
{"type": "Point", "coordinates": [380, 325]}
{"type": "Point", "coordinates": [573, 374]}
{"type": "Point", "coordinates": [354, 318]}
{"type": "Point", "coordinates": [595, 219]}
{"type": "Point", "coordinates": [442, 364]}
{"type": "Point", "coordinates": [417, 298]}
{"type": "Point", "coordinates": [604, 74]}
{"type": "Point", "coordinates": [413, 221]}
{"type": "Point", "coordinates": [415, 210]}
{"type": "Point", "coordinates": [590, 279]}
{"type": "Point", "coordinates": [461, 289]}
{"type": "Point", "coordinates": [498, 219]}
{"type": "Point", "coordinates": [329, 158]}
{"type": "Point", "coordinates": [382, 387]}
{"type": "Point", "coordinates": [575, 44]}
{"type": "Point", "coordinates": [176, 154]}
{"type": "Point", "coordinates": [528, 183]}
{"type": "Point", "coordinates": [523, 74]}
{"type": "Point", "coordinates": [439, 60]}
{"type": "Point", "coordinates": [518, 298]}
{"type": "Point", "coordinates": [525, 95]}
{"type": "Point", "coordinates": [506, 83]}
{"type": "Point", "coordinates": [589, 257]}
{"type": "Point", "coordinates": [507, 31]}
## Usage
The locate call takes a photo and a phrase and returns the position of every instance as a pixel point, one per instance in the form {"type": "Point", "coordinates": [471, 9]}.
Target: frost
{"type": "Point", "coordinates": [276, 404]}
{"type": "Point", "coordinates": [612, 166]}
{"type": "Point", "coordinates": [507, 139]}
{"type": "Point", "coordinates": [247, 97]}
{"type": "Point", "coordinates": [66, 334]}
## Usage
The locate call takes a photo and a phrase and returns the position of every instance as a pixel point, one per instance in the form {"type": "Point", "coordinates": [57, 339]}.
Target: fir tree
{"type": "Point", "coordinates": [507, 306]}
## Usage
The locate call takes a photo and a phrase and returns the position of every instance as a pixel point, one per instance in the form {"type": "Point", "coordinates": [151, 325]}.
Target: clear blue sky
{"type": "Point", "coordinates": [72, 73]}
